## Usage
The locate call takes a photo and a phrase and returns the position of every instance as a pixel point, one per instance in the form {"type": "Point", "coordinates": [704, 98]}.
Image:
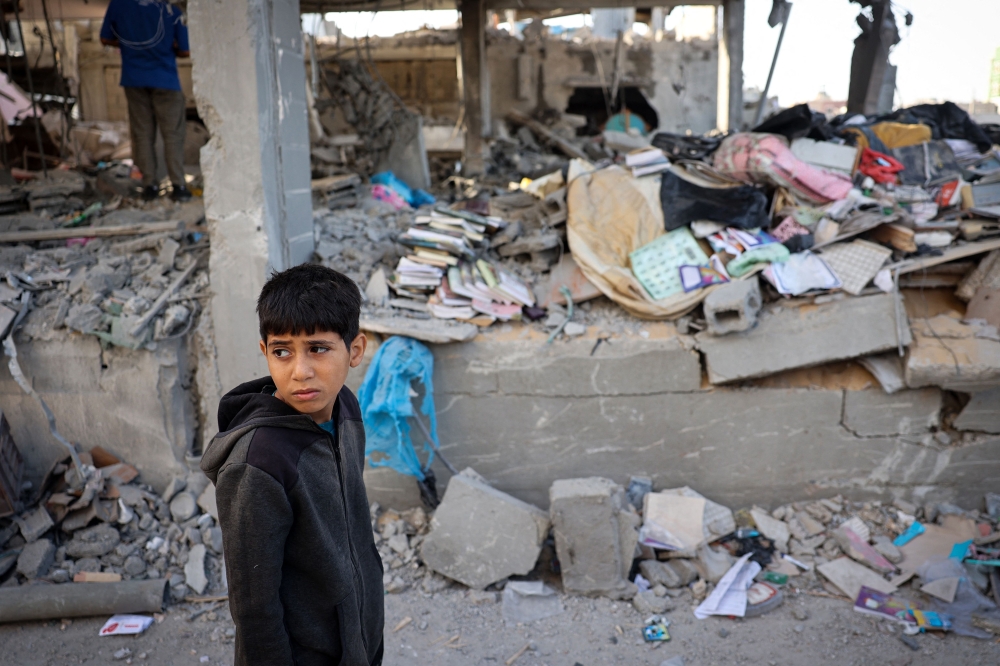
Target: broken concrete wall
{"type": "Point", "coordinates": [526, 414]}
{"type": "Point", "coordinates": [678, 78]}
{"type": "Point", "coordinates": [136, 404]}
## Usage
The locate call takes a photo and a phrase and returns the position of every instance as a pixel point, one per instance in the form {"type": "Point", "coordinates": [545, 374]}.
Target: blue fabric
{"type": "Point", "coordinates": [148, 32]}
{"type": "Point", "coordinates": [329, 427]}
{"type": "Point", "coordinates": [385, 405]}
{"type": "Point", "coordinates": [415, 198]}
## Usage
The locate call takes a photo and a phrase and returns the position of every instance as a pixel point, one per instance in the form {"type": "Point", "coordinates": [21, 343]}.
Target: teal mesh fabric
{"type": "Point", "coordinates": [385, 405]}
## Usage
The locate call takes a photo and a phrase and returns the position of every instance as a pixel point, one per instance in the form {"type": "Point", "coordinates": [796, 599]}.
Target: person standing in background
{"type": "Point", "coordinates": [151, 35]}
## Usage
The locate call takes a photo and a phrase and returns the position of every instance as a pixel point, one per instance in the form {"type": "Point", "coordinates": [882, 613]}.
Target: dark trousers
{"type": "Point", "coordinates": [149, 108]}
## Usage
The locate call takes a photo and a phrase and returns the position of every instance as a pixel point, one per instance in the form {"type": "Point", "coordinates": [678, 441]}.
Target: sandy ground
{"type": "Point", "coordinates": [805, 630]}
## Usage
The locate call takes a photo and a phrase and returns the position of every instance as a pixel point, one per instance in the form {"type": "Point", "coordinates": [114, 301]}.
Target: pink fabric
{"type": "Point", "coordinates": [764, 158]}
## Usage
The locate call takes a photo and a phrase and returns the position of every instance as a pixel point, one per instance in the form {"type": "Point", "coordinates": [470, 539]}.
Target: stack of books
{"type": "Point", "coordinates": [444, 272]}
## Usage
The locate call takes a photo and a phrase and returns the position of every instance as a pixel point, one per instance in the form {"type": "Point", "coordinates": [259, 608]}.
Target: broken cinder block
{"type": "Point", "coordinates": [480, 535]}
{"type": "Point", "coordinates": [733, 307]}
{"type": "Point", "coordinates": [596, 533]}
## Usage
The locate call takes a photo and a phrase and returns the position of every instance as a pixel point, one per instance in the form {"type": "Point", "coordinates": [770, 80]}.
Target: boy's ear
{"type": "Point", "coordinates": [263, 348]}
{"type": "Point", "coordinates": [358, 346]}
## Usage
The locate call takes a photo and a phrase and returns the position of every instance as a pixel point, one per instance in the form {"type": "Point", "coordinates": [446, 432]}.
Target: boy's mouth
{"type": "Point", "coordinates": [305, 394]}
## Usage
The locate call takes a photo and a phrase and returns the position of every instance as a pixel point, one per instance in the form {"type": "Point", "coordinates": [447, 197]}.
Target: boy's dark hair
{"type": "Point", "coordinates": [309, 298]}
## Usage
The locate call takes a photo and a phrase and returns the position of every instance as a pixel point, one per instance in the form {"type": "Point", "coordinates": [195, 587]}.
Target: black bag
{"type": "Point", "coordinates": [743, 206]}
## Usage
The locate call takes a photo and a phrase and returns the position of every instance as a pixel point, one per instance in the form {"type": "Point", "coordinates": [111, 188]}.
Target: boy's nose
{"type": "Point", "coordinates": [302, 370]}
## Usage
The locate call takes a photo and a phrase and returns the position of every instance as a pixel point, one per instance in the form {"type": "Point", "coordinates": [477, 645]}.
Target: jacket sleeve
{"type": "Point", "coordinates": [255, 516]}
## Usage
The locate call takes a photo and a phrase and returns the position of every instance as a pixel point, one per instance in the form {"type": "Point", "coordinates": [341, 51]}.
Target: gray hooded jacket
{"type": "Point", "coordinates": [305, 578]}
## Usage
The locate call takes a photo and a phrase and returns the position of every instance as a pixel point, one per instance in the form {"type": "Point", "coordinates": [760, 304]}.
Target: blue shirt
{"type": "Point", "coordinates": [329, 427]}
{"type": "Point", "coordinates": [147, 32]}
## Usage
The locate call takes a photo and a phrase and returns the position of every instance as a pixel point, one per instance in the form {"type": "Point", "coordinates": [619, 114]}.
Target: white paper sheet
{"type": "Point", "coordinates": [730, 596]}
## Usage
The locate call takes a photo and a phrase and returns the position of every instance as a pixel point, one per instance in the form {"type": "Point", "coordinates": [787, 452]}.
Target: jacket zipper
{"type": "Point", "coordinates": [335, 445]}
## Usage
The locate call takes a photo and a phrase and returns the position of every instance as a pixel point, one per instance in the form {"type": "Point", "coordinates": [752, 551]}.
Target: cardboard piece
{"type": "Point", "coordinates": [849, 577]}
{"type": "Point", "coordinates": [937, 542]}
{"type": "Point", "coordinates": [567, 273]}
{"type": "Point", "coordinates": [942, 588]}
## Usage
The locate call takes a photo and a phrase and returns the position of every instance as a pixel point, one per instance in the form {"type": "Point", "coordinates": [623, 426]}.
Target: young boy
{"type": "Point", "coordinates": [305, 578]}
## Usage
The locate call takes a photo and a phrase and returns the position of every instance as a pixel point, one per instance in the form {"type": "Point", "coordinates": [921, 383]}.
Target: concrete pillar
{"type": "Point", "coordinates": [871, 59]}
{"type": "Point", "coordinates": [475, 80]}
{"type": "Point", "coordinates": [249, 83]}
{"type": "Point", "coordinates": [730, 99]}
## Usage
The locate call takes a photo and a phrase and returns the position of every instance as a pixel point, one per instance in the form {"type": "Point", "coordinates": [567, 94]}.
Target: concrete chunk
{"type": "Point", "coordinates": [733, 307]}
{"type": "Point", "coordinates": [36, 558]}
{"type": "Point", "coordinates": [207, 501]}
{"type": "Point", "coordinates": [480, 535]}
{"type": "Point", "coordinates": [34, 523]}
{"type": "Point", "coordinates": [790, 338]}
{"type": "Point", "coordinates": [982, 413]}
{"type": "Point", "coordinates": [953, 355]}
{"type": "Point", "coordinates": [913, 412]}
{"type": "Point", "coordinates": [595, 533]}
{"type": "Point", "coordinates": [194, 570]}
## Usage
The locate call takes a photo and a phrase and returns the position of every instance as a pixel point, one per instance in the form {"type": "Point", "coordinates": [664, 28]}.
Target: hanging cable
{"type": "Point", "coordinates": [31, 91]}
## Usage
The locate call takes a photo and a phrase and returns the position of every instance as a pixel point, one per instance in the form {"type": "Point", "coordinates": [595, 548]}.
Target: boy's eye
{"type": "Point", "coordinates": [319, 350]}
{"type": "Point", "coordinates": [281, 353]}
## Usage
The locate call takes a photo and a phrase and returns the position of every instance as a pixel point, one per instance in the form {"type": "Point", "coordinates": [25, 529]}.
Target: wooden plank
{"type": "Point", "coordinates": [475, 83]}
{"type": "Point", "coordinates": [137, 229]}
{"type": "Point", "coordinates": [549, 135]}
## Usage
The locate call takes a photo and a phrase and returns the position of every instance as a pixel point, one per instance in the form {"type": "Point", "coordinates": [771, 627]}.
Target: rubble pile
{"type": "Point", "coordinates": [107, 526]}
{"type": "Point", "coordinates": [674, 549]}
{"type": "Point", "coordinates": [142, 282]}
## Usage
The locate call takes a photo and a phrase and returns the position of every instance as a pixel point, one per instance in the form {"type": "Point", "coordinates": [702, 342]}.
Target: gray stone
{"type": "Point", "coordinates": [595, 531]}
{"type": "Point", "coordinates": [909, 412]}
{"type": "Point", "coordinates": [194, 570]}
{"type": "Point", "coordinates": [658, 573]}
{"type": "Point", "coordinates": [207, 501]}
{"type": "Point", "coordinates": [733, 307]}
{"type": "Point", "coordinates": [91, 564]}
{"type": "Point", "coordinates": [527, 601]}
{"type": "Point", "coordinates": [177, 484]}
{"type": "Point", "coordinates": [134, 565]}
{"type": "Point", "coordinates": [399, 543]}
{"type": "Point", "coordinates": [192, 535]}
{"type": "Point", "coordinates": [480, 535]}
{"type": "Point", "coordinates": [573, 329]}
{"type": "Point", "coordinates": [212, 537]}
{"type": "Point", "coordinates": [982, 413]}
{"type": "Point", "coordinates": [832, 332]}
{"type": "Point", "coordinates": [183, 506]}
{"type": "Point", "coordinates": [648, 603]}
{"type": "Point", "coordinates": [883, 546]}
{"type": "Point", "coordinates": [34, 523]}
{"type": "Point", "coordinates": [93, 542]}
{"type": "Point", "coordinates": [36, 558]}
{"type": "Point", "coordinates": [377, 291]}
{"type": "Point", "coordinates": [84, 318]}
{"type": "Point", "coordinates": [673, 661]}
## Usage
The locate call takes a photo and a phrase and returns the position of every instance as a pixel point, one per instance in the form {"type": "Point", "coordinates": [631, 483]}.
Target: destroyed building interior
{"type": "Point", "coordinates": [693, 353]}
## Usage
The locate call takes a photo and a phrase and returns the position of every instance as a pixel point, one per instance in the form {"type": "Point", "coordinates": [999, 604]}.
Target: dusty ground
{"type": "Point", "coordinates": [590, 632]}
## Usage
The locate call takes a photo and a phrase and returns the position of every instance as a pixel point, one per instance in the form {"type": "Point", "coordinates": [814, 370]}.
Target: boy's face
{"type": "Point", "coordinates": [310, 370]}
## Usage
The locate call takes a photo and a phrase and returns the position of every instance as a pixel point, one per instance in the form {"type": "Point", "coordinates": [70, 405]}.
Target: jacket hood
{"type": "Point", "coordinates": [250, 406]}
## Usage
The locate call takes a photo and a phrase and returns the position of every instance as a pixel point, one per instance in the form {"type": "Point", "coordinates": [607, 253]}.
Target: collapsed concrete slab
{"type": "Point", "coordinates": [953, 355]}
{"type": "Point", "coordinates": [873, 413]}
{"type": "Point", "coordinates": [787, 338]}
{"type": "Point", "coordinates": [596, 533]}
{"type": "Point", "coordinates": [480, 535]}
{"type": "Point", "coordinates": [982, 413]}
{"type": "Point", "coordinates": [134, 403]}
{"type": "Point", "coordinates": [523, 365]}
